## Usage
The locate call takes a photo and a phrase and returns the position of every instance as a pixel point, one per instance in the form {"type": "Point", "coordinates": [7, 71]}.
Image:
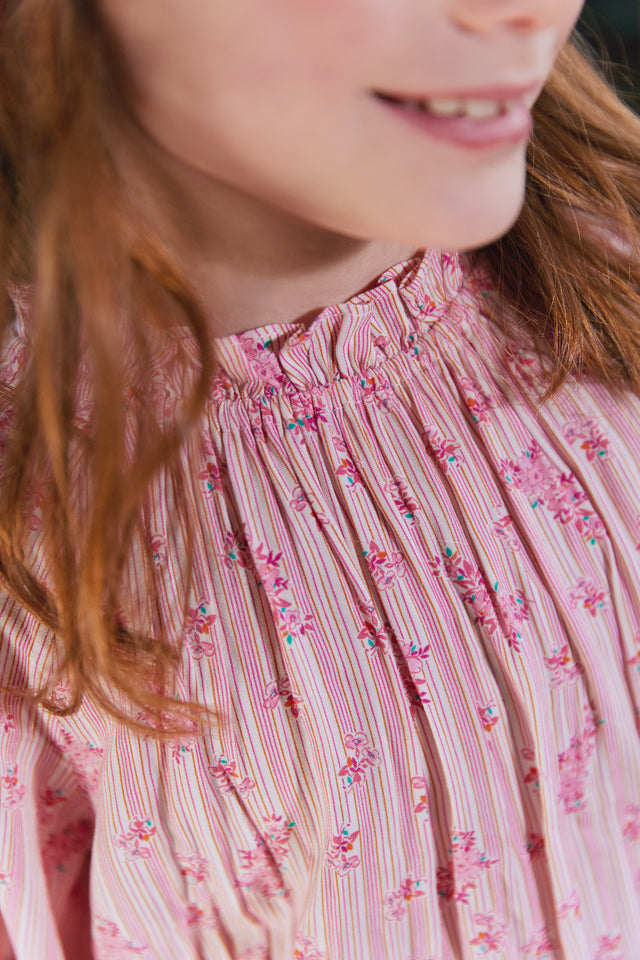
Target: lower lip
{"type": "Point", "coordinates": [507, 128]}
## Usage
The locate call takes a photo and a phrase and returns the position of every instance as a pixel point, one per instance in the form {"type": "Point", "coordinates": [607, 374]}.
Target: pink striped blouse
{"type": "Point", "coordinates": [416, 611]}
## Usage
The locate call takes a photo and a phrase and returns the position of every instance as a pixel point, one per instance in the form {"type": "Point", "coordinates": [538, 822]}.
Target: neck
{"type": "Point", "coordinates": [251, 263]}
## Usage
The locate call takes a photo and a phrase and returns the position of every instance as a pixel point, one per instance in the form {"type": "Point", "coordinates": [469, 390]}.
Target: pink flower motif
{"type": "Point", "coordinates": [446, 887]}
{"type": "Point", "coordinates": [470, 582]}
{"type": "Point", "coordinates": [292, 624]}
{"type": "Point", "coordinates": [180, 748]}
{"type": "Point", "coordinates": [590, 596]}
{"type": "Point", "coordinates": [277, 690]}
{"type": "Point", "coordinates": [348, 467]}
{"type": "Point", "coordinates": [404, 502]}
{"type": "Point", "coordinates": [226, 773]}
{"type": "Point", "coordinates": [111, 944]}
{"type": "Point", "coordinates": [524, 364]}
{"type": "Point", "coordinates": [338, 855]}
{"type": "Point", "coordinates": [505, 528]}
{"type": "Point", "coordinates": [162, 394]}
{"type": "Point", "coordinates": [6, 880]}
{"type": "Point", "coordinates": [212, 477]}
{"type": "Point", "coordinates": [300, 499]}
{"type": "Point", "coordinates": [245, 786]}
{"type": "Point", "coordinates": [386, 570]}
{"type": "Point", "coordinates": [535, 847]}
{"type": "Point", "coordinates": [255, 953]}
{"type": "Point", "coordinates": [396, 900]}
{"type": "Point", "coordinates": [488, 716]}
{"type": "Point", "coordinates": [159, 548]}
{"type": "Point", "coordinates": [264, 364]}
{"type": "Point", "coordinates": [609, 947]}
{"type": "Point", "coordinates": [194, 867]}
{"type": "Point", "coordinates": [574, 767]}
{"type": "Point", "coordinates": [61, 694]}
{"type": "Point", "coordinates": [541, 946]}
{"type": "Point", "coordinates": [12, 791]}
{"type": "Point", "coordinates": [491, 933]}
{"type": "Point", "coordinates": [260, 417]}
{"type": "Point", "coordinates": [221, 386]}
{"type": "Point", "coordinates": [594, 443]}
{"type": "Point", "coordinates": [422, 806]}
{"type": "Point", "coordinates": [7, 722]}
{"type": "Point", "coordinates": [353, 741]}
{"type": "Point", "coordinates": [376, 390]}
{"type": "Point", "coordinates": [236, 550]}
{"type": "Point", "coordinates": [272, 696]}
{"type": "Point", "coordinates": [307, 413]}
{"type": "Point", "coordinates": [562, 666]}
{"type": "Point", "coordinates": [202, 916]}
{"type": "Point", "coordinates": [515, 611]}
{"type": "Point", "coordinates": [410, 659]}
{"type": "Point", "coordinates": [306, 948]}
{"type": "Point", "coordinates": [261, 864]}
{"type": "Point", "coordinates": [570, 906]}
{"type": "Point", "coordinates": [536, 476]}
{"type": "Point", "coordinates": [533, 776]}
{"type": "Point", "coordinates": [465, 867]}
{"type": "Point", "coordinates": [47, 800]}
{"type": "Point", "coordinates": [414, 656]}
{"type": "Point", "coordinates": [446, 452]}
{"type": "Point", "coordinates": [136, 840]}
{"type": "Point", "coordinates": [199, 630]}
{"type": "Point", "coordinates": [631, 829]}
{"type": "Point", "coordinates": [477, 402]}
{"type": "Point", "coordinates": [468, 862]}
{"type": "Point", "coordinates": [195, 914]}
{"type": "Point", "coordinates": [374, 637]}
{"type": "Point", "coordinates": [360, 759]}
{"type": "Point", "coordinates": [62, 845]}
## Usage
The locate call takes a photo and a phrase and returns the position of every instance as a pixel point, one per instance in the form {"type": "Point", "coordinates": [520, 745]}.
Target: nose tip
{"type": "Point", "coordinates": [521, 15]}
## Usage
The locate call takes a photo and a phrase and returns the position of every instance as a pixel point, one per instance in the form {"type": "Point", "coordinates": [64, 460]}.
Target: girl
{"type": "Point", "coordinates": [320, 625]}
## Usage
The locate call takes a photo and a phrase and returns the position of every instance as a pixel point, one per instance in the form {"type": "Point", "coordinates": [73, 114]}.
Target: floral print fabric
{"type": "Point", "coordinates": [415, 610]}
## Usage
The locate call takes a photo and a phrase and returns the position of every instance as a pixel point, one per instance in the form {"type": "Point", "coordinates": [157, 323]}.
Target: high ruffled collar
{"type": "Point", "coordinates": [344, 339]}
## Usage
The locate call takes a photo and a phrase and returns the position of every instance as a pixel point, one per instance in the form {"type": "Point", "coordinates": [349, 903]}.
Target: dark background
{"type": "Point", "coordinates": [612, 27]}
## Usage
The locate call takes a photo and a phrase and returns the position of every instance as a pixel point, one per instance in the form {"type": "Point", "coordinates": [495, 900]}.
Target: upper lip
{"type": "Point", "coordinates": [500, 92]}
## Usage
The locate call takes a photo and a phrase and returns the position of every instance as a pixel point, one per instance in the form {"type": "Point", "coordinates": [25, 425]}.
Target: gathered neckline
{"type": "Point", "coordinates": [343, 339]}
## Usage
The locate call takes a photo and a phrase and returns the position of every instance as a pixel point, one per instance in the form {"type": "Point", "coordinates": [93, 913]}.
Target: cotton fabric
{"type": "Point", "coordinates": [415, 610]}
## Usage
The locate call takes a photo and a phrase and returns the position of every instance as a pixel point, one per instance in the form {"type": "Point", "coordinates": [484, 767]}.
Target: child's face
{"type": "Point", "coordinates": [275, 99]}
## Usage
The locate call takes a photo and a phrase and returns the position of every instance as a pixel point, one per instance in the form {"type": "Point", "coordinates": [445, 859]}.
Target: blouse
{"type": "Point", "coordinates": [415, 610]}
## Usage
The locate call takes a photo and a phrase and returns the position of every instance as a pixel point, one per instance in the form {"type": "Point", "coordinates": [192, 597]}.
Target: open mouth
{"type": "Point", "coordinates": [476, 108]}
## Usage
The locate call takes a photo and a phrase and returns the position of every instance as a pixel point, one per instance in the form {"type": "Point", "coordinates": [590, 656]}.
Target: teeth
{"type": "Point", "coordinates": [473, 107]}
{"type": "Point", "coordinates": [444, 108]}
{"type": "Point", "coordinates": [482, 109]}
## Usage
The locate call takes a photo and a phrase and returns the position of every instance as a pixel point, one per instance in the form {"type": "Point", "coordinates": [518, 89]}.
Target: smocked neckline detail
{"type": "Point", "coordinates": [344, 339]}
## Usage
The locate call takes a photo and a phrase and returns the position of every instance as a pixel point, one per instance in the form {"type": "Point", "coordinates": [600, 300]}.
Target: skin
{"type": "Point", "coordinates": [288, 186]}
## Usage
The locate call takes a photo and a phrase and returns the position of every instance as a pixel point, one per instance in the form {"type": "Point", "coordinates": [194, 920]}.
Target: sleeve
{"type": "Point", "coordinates": [46, 818]}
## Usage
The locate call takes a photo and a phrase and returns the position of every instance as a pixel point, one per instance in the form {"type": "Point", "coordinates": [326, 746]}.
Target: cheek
{"type": "Point", "coordinates": [570, 12]}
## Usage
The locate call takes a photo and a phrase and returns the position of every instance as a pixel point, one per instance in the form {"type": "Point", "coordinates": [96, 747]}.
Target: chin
{"type": "Point", "coordinates": [467, 229]}
{"type": "Point", "coordinates": [485, 234]}
{"type": "Point", "coordinates": [464, 215]}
